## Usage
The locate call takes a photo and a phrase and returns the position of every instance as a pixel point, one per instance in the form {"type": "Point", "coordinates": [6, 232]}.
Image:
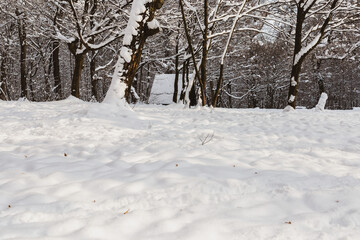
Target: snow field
{"type": "Point", "coordinates": [76, 170]}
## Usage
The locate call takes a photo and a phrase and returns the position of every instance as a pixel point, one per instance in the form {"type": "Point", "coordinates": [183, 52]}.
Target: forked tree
{"type": "Point", "coordinates": [318, 15]}
{"type": "Point", "coordinates": [140, 26]}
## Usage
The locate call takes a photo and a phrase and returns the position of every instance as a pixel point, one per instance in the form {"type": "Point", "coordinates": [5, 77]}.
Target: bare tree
{"type": "Point", "coordinates": [307, 38]}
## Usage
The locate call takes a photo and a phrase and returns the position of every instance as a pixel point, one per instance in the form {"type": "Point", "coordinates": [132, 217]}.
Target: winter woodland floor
{"type": "Point", "coordinates": [79, 171]}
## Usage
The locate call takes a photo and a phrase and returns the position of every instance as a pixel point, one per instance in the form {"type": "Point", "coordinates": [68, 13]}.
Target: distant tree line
{"type": "Point", "coordinates": [232, 54]}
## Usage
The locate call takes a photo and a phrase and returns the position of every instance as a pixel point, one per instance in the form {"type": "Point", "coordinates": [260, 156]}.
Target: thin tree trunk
{"type": "Point", "coordinates": [56, 61]}
{"type": "Point", "coordinates": [22, 41]}
{"type": "Point", "coordinates": [47, 73]}
{"type": "Point", "coordinates": [183, 90]}
{"type": "Point", "coordinates": [93, 77]}
{"type": "Point", "coordinates": [212, 89]}
{"type": "Point", "coordinates": [204, 52]}
{"type": "Point", "coordinates": [270, 91]}
{"type": "Point", "coordinates": [221, 75]}
{"type": "Point", "coordinates": [197, 75]}
{"type": "Point", "coordinates": [3, 87]}
{"type": "Point", "coordinates": [176, 82]}
{"type": "Point", "coordinates": [56, 69]}
{"type": "Point", "coordinates": [230, 98]}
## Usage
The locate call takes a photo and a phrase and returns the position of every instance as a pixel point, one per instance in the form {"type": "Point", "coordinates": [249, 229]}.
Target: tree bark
{"type": "Point", "coordinates": [139, 88]}
{"type": "Point", "coordinates": [56, 61]}
{"type": "Point", "coordinates": [3, 86]}
{"type": "Point", "coordinates": [75, 83]}
{"type": "Point", "coordinates": [204, 52]}
{"type": "Point", "coordinates": [296, 67]}
{"type": "Point", "coordinates": [219, 84]}
{"type": "Point", "coordinates": [176, 82]}
{"type": "Point", "coordinates": [56, 69]}
{"type": "Point", "coordinates": [192, 94]}
{"type": "Point", "coordinates": [93, 77]}
{"type": "Point", "coordinates": [183, 90]}
{"type": "Point", "coordinates": [23, 48]}
{"type": "Point", "coordinates": [230, 98]}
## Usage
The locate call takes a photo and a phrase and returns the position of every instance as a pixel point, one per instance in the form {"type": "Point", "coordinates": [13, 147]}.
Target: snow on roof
{"type": "Point", "coordinates": [163, 89]}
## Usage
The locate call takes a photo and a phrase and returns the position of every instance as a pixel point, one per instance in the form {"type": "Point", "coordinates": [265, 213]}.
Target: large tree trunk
{"type": "Point", "coordinates": [137, 46]}
{"type": "Point", "coordinates": [293, 90]}
{"type": "Point", "coordinates": [130, 54]}
{"type": "Point", "coordinates": [75, 83]}
{"type": "Point", "coordinates": [219, 85]}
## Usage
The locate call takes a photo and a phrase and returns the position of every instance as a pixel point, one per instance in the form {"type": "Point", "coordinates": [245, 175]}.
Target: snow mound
{"type": "Point", "coordinates": [288, 108]}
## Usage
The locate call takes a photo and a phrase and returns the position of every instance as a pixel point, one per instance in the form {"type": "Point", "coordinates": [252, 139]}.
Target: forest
{"type": "Point", "coordinates": [226, 53]}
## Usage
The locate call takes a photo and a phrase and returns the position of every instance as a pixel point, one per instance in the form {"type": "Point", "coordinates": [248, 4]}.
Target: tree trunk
{"type": "Point", "coordinates": [204, 52]}
{"type": "Point", "coordinates": [23, 46]}
{"type": "Point", "coordinates": [56, 69]}
{"type": "Point", "coordinates": [3, 87]}
{"type": "Point", "coordinates": [192, 52]}
{"type": "Point", "coordinates": [219, 84]}
{"type": "Point", "coordinates": [230, 98]}
{"type": "Point", "coordinates": [183, 90]}
{"type": "Point", "coordinates": [296, 67]}
{"type": "Point", "coordinates": [299, 57]}
{"type": "Point", "coordinates": [56, 61]}
{"type": "Point", "coordinates": [192, 95]}
{"type": "Point", "coordinates": [176, 82]}
{"type": "Point", "coordinates": [139, 87]}
{"type": "Point", "coordinates": [270, 91]}
{"type": "Point", "coordinates": [75, 83]}
{"type": "Point", "coordinates": [137, 44]}
{"type": "Point", "coordinates": [93, 77]}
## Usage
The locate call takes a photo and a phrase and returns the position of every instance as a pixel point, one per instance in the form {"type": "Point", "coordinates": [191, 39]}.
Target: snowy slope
{"type": "Point", "coordinates": [75, 170]}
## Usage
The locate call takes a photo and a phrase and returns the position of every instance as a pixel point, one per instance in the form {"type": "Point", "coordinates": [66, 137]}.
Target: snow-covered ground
{"type": "Point", "coordinates": [80, 171]}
